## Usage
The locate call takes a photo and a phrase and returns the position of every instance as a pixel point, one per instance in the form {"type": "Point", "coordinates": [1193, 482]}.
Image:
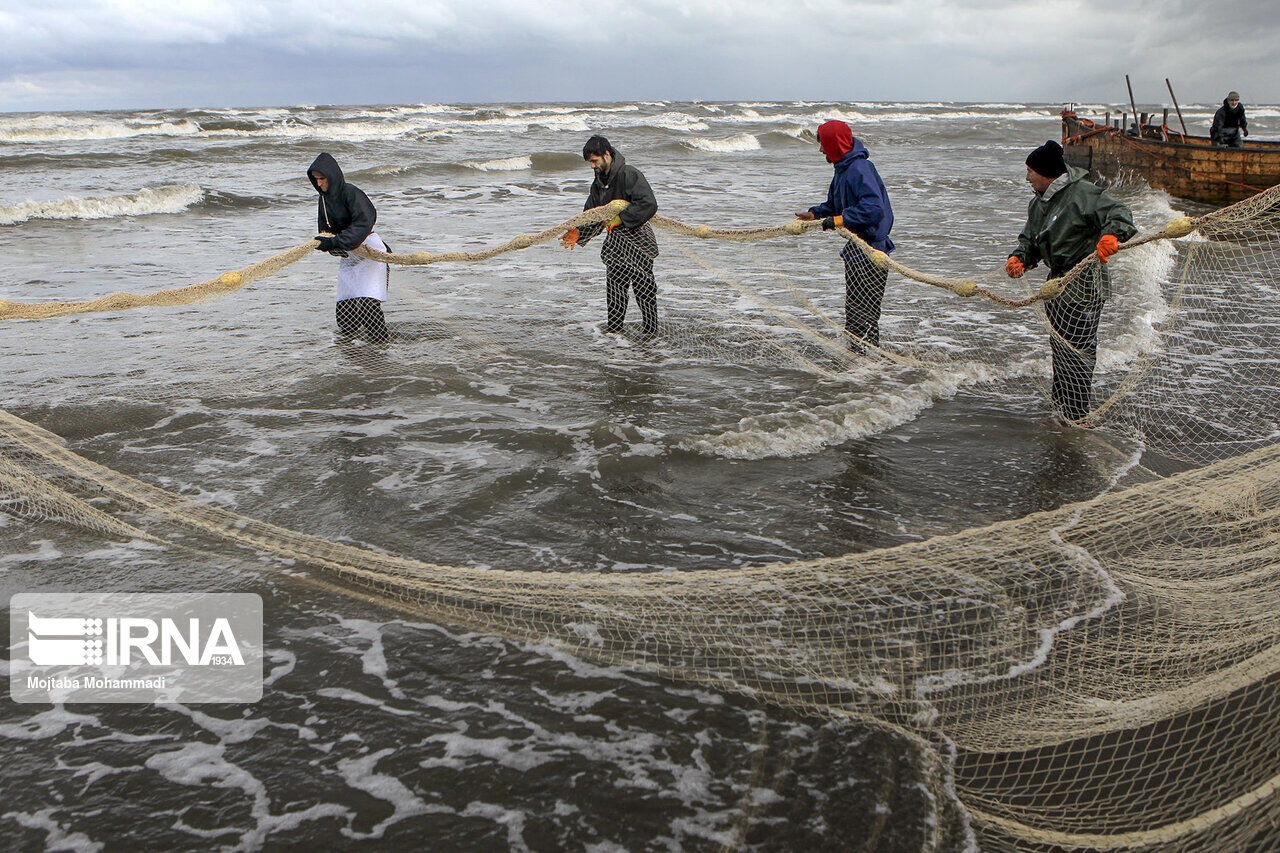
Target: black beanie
{"type": "Point", "coordinates": [1047, 160]}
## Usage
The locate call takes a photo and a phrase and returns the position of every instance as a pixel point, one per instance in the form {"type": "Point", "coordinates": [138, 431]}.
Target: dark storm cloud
{"type": "Point", "coordinates": [62, 54]}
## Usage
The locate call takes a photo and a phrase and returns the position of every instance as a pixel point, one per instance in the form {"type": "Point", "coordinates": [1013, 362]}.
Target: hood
{"type": "Point", "coordinates": [327, 166]}
{"type": "Point", "coordinates": [837, 140]}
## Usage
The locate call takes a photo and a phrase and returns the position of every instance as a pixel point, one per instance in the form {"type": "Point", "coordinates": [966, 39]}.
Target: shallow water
{"type": "Point", "coordinates": [501, 429]}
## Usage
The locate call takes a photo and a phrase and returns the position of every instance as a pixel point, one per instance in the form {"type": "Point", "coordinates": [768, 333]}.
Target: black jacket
{"type": "Point", "coordinates": [344, 210]}
{"type": "Point", "coordinates": [1227, 117]}
{"type": "Point", "coordinates": [635, 234]}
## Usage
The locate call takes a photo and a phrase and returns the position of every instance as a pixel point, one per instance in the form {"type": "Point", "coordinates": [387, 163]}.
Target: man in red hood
{"type": "Point", "coordinates": [857, 200]}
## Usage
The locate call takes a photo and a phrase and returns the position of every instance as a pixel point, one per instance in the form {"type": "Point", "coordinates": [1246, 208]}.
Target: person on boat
{"type": "Point", "coordinates": [858, 200]}
{"type": "Point", "coordinates": [1229, 124]}
{"type": "Point", "coordinates": [629, 245]}
{"type": "Point", "coordinates": [345, 218]}
{"type": "Point", "coordinates": [1068, 220]}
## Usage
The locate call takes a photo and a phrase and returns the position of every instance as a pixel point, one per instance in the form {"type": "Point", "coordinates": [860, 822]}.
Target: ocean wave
{"type": "Point", "coordinates": [171, 198]}
{"type": "Point", "coordinates": [543, 161]}
{"type": "Point", "coordinates": [558, 161]}
{"type": "Point", "coordinates": [802, 432]}
{"type": "Point", "coordinates": [355, 131]}
{"type": "Point", "coordinates": [216, 200]}
{"type": "Point", "coordinates": [507, 164]}
{"type": "Point", "coordinates": [569, 123]}
{"type": "Point", "coordinates": [741, 142]}
{"type": "Point", "coordinates": [674, 121]}
{"type": "Point", "coordinates": [80, 159]}
{"type": "Point", "coordinates": [850, 116]}
{"type": "Point", "coordinates": [794, 131]}
{"type": "Point", "coordinates": [51, 128]}
{"type": "Point", "coordinates": [517, 112]}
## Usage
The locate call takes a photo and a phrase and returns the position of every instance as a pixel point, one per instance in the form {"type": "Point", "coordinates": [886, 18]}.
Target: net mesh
{"type": "Point", "coordinates": [1102, 675]}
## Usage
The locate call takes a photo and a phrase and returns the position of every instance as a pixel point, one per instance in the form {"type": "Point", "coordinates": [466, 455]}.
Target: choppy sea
{"type": "Point", "coordinates": [502, 429]}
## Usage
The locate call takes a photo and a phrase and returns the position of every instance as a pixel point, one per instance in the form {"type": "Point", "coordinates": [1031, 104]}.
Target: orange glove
{"type": "Point", "coordinates": [1014, 267]}
{"type": "Point", "coordinates": [612, 224]}
{"type": "Point", "coordinates": [1107, 247]}
{"type": "Point", "coordinates": [570, 239]}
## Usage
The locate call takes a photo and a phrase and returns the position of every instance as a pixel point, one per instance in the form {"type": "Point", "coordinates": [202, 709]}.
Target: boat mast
{"type": "Point", "coordinates": [1134, 105]}
{"type": "Point", "coordinates": [1176, 107]}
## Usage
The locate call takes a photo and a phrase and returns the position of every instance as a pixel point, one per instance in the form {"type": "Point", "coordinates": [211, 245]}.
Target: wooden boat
{"type": "Point", "coordinates": [1189, 167]}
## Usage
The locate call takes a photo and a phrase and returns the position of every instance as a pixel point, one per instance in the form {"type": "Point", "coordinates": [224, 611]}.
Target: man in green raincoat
{"type": "Point", "coordinates": [1069, 219]}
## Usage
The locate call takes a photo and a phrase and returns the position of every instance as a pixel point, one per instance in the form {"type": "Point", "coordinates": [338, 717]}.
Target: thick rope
{"type": "Point", "coordinates": [233, 280]}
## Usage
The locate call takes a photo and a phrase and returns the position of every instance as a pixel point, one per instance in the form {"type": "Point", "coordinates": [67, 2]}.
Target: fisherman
{"type": "Point", "coordinates": [857, 200]}
{"type": "Point", "coordinates": [629, 245]}
{"type": "Point", "coordinates": [1069, 219]}
{"type": "Point", "coordinates": [346, 218]}
{"type": "Point", "coordinates": [1229, 124]}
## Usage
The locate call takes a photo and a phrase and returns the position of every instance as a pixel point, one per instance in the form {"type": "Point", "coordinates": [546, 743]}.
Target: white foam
{"type": "Point", "coordinates": [202, 764]}
{"type": "Point", "coordinates": [511, 819]}
{"type": "Point", "coordinates": [46, 724]}
{"type": "Point", "coordinates": [45, 551]}
{"type": "Point", "coordinates": [741, 142]}
{"type": "Point", "coordinates": [93, 771]}
{"type": "Point", "coordinates": [807, 431]}
{"type": "Point", "coordinates": [359, 774]}
{"type": "Point", "coordinates": [508, 164]}
{"type": "Point", "coordinates": [348, 695]}
{"type": "Point", "coordinates": [675, 121]}
{"type": "Point", "coordinates": [228, 731]}
{"type": "Point", "coordinates": [374, 659]}
{"type": "Point", "coordinates": [53, 128]}
{"type": "Point", "coordinates": [1047, 636]}
{"type": "Point", "coordinates": [171, 198]}
{"type": "Point", "coordinates": [798, 131]}
{"type": "Point", "coordinates": [56, 838]}
{"type": "Point", "coordinates": [503, 750]}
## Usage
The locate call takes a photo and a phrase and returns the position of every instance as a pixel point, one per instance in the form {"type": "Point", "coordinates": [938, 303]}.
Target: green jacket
{"type": "Point", "coordinates": [1063, 227]}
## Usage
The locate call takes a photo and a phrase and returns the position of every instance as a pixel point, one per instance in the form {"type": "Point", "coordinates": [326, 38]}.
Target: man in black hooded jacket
{"type": "Point", "coordinates": [345, 218]}
{"type": "Point", "coordinates": [629, 246]}
{"type": "Point", "coordinates": [1229, 124]}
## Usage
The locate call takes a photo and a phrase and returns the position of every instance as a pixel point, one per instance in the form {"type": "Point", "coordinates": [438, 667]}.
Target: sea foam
{"type": "Point", "coordinates": [171, 198]}
{"type": "Point", "coordinates": [741, 142]}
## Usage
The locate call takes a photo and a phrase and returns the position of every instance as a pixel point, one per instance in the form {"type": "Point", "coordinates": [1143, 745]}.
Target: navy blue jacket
{"type": "Point", "coordinates": [858, 195]}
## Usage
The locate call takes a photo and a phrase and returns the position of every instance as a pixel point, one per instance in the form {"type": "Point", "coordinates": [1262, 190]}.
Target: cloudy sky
{"type": "Point", "coordinates": [86, 54]}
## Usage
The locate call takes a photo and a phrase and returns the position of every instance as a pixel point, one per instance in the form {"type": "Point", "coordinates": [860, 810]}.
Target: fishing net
{"type": "Point", "coordinates": [1099, 676]}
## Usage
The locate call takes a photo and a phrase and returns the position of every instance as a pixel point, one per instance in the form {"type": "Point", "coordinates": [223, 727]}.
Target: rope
{"type": "Point", "coordinates": [234, 280]}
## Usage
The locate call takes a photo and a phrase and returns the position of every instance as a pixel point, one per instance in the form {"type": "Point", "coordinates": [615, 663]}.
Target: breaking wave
{"type": "Point", "coordinates": [506, 164]}
{"type": "Point", "coordinates": [47, 128]}
{"type": "Point", "coordinates": [741, 142]}
{"type": "Point", "coordinates": [171, 198]}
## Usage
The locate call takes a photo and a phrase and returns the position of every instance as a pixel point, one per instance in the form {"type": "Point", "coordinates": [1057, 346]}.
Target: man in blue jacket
{"type": "Point", "coordinates": [857, 200]}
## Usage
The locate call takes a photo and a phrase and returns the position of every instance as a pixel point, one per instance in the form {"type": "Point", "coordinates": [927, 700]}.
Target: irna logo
{"type": "Point", "coordinates": [72, 641]}
{"type": "Point", "coordinates": [135, 647]}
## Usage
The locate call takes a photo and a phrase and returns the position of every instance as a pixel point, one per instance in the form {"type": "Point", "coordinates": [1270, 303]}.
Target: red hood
{"type": "Point", "coordinates": [836, 139]}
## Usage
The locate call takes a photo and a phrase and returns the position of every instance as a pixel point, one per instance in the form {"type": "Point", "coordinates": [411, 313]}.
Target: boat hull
{"type": "Point", "coordinates": [1187, 167]}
